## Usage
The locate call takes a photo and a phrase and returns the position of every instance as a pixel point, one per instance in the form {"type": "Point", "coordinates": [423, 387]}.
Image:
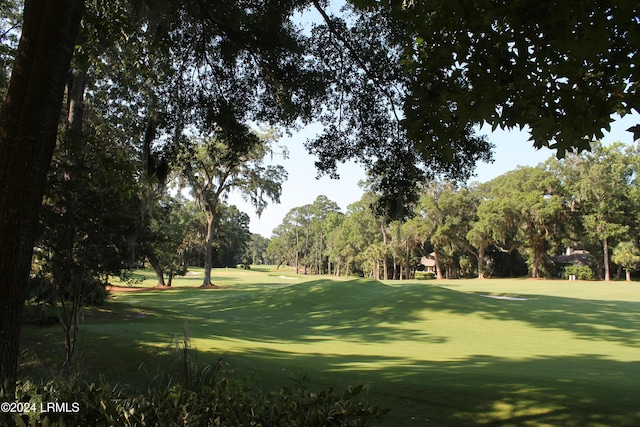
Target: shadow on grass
{"type": "Point", "coordinates": [583, 390]}
{"type": "Point", "coordinates": [614, 321]}
{"type": "Point", "coordinates": [365, 311]}
{"type": "Point", "coordinates": [572, 390]}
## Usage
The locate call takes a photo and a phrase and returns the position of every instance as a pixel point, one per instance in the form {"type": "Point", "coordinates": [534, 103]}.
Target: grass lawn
{"type": "Point", "coordinates": [449, 353]}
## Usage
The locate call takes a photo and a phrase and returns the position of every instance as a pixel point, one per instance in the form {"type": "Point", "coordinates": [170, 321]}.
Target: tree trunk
{"type": "Point", "coordinates": [628, 274]}
{"type": "Point", "coordinates": [157, 267]}
{"type": "Point", "coordinates": [208, 260]}
{"type": "Point", "coordinates": [385, 263]}
{"type": "Point", "coordinates": [28, 128]}
{"type": "Point", "coordinates": [607, 270]}
{"type": "Point", "coordinates": [407, 260]}
{"type": "Point", "coordinates": [297, 252]}
{"type": "Point", "coordinates": [481, 262]}
{"type": "Point", "coordinates": [436, 259]}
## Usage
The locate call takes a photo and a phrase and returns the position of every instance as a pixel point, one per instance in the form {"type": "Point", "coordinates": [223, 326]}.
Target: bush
{"type": "Point", "coordinates": [425, 275]}
{"type": "Point", "coordinates": [214, 399]}
{"type": "Point", "coordinates": [582, 272]}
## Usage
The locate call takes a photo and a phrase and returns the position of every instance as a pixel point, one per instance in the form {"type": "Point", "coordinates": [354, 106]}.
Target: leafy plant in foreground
{"type": "Point", "coordinates": [213, 399]}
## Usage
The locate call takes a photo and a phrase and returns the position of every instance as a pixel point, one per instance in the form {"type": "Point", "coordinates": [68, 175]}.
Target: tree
{"type": "Point", "coordinates": [627, 255]}
{"type": "Point", "coordinates": [431, 219]}
{"type": "Point", "coordinates": [211, 168]}
{"type": "Point", "coordinates": [368, 91]}
{"type": "Point", "coordinates": [28, 127]}
{"type": "Point", "coordinates": [301, 238]}
{"type": "Point", "coordinates": [526, 208]}
{"type": "Point", "coordinates": [86, 219]}
{"type": "Point", "coordinates": [281, 250]}
{"type": "Point", "coordinates": [600, 182]}
{"type": "Point", "coordinates": [332, 222]}
{"type": "Point", "coordinates": [481, 232]}
{"type": "Point", "coordinates": [561, 69]}
{"type": "Point", "coordinates": [257, 250]}
{"type": "Point", "coordinates": [321, 210]}
{"type": "Point", "coordinates": [167, 230]}
{"type": "Point", "coordinates": [232, 237]}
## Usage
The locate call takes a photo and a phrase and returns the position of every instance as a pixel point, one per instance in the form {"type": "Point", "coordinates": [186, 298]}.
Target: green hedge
{"type": "Point", "coordinates": [425, 275]}
{"type": "Point", "coordinates": [582, 272]}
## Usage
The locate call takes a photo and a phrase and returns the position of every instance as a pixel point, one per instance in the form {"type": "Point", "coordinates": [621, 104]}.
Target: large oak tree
{"type": "Point", "coordinates": [28, 125]}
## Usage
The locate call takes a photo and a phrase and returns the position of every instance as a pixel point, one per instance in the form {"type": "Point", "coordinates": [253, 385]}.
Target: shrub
{"type": "Point", "coordinates": [214, 399]}
{"type": "Point", "coordinates": [425, 275]}
{"type": "Point", "coordinates": [582, 272]}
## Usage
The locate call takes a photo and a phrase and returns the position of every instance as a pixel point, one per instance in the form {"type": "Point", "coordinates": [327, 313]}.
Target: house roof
{"type": "Point", "coordinates": [576, 257]}
{"type": "Point", "coordinates": [427, 262]}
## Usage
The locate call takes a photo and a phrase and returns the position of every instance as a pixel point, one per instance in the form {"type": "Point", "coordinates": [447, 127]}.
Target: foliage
{"type": "Point", "coordinates": [600, 184]}
{"type": "Point", "coordinates": [627, 255]}
{"type": "Point", "coordinates": [213, 399]}
{"type": "Point", "coordinates": [257, 249]}
{"type": "Point", "coordinates": [301, 239]}
{"type": "Point", "coordinates": [211, 168]}
{"type": "Point", "coordinates": [10, 24]}
{"type": "Point", "coordinates": [522, 218]}
{"type": "Point", "coordinates": [232, 237]}
{"type": "Point", "coordinates": [581, 272]}
{"type": "Point", "coordinates": [424, 275]}
{"type": "Point", "coordinates": [368, 90]}
{"type": "Point", "coordinates": [560, 69]}
{"type": "Point", "coordinates": [83, 237]}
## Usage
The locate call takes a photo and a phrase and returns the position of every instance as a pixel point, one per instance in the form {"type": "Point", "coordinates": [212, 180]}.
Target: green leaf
{"type": "Point", "coordinates": [636, 132]}
{"type": "Point", "coordinates": [356, 390]}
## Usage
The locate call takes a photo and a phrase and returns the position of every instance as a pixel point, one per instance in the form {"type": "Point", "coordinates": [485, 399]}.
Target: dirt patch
{"type": "Point", "coordinates": [135, 289]}
{"type": "Point", "coordinates": [155, 288]}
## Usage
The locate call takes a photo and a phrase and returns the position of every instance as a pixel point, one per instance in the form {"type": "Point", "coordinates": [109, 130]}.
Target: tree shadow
{"type": "Point", "coordinates": [582, 390]}
{"type": "Point", "coordinates": [575, 390]}
{"type": "Point", "coordinates": [613, 321]}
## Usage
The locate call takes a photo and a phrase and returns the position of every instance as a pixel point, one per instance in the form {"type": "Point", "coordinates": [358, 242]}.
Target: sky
{"type": "Point", "coordinates": [512, 149]}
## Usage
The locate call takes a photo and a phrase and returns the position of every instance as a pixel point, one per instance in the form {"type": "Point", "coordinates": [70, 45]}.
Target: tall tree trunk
{"type": "Point", "coordinates": [481, 262]}
{"type": "Point", "coordinates": [75, 103]}
{"type": "Point", "coordinates": [208, 260]}
{"type": "Point", "coordinates": [385, 262]}
{"type": "Point", "coordinates": [607, 269]}
{"type": "Point", "coordinates": [297, 252]}
{"type": "Point", "coordinates": [407, 260]}
{"type": "Point", "coordinates": [436, 259]}
{"type": "Point", "coordinates": [157, 267]}
{"type": "Point", "coordinates": [538, 251]}
{"type": "Point", "coordinates": [28, 128]}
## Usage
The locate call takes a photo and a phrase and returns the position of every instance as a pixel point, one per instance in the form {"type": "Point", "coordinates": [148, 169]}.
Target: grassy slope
{"type": "Point", "coordinates": [438, 355]}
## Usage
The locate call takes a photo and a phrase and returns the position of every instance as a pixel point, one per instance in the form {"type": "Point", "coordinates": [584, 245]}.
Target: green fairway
{"type": "Point", "coordinates": [464, 352]}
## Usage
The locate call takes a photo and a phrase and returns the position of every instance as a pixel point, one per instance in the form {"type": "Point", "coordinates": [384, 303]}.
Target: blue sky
{"type": "Point", "coordinates": [512, 149]}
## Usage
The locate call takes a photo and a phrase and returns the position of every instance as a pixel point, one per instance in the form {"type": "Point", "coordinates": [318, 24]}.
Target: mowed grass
{"type": "Point", "coordinates": [449, 353]}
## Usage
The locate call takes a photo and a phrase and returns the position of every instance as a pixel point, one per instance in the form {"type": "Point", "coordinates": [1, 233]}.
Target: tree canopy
{"type": "Point", "coordinates": [521, 221]}
{"type": "Point", "coordinates": [561, 69]}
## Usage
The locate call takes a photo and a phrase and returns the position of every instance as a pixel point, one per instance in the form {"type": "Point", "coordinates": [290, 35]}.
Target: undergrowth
{"type": "Point", "coordinates": [188, 395]}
